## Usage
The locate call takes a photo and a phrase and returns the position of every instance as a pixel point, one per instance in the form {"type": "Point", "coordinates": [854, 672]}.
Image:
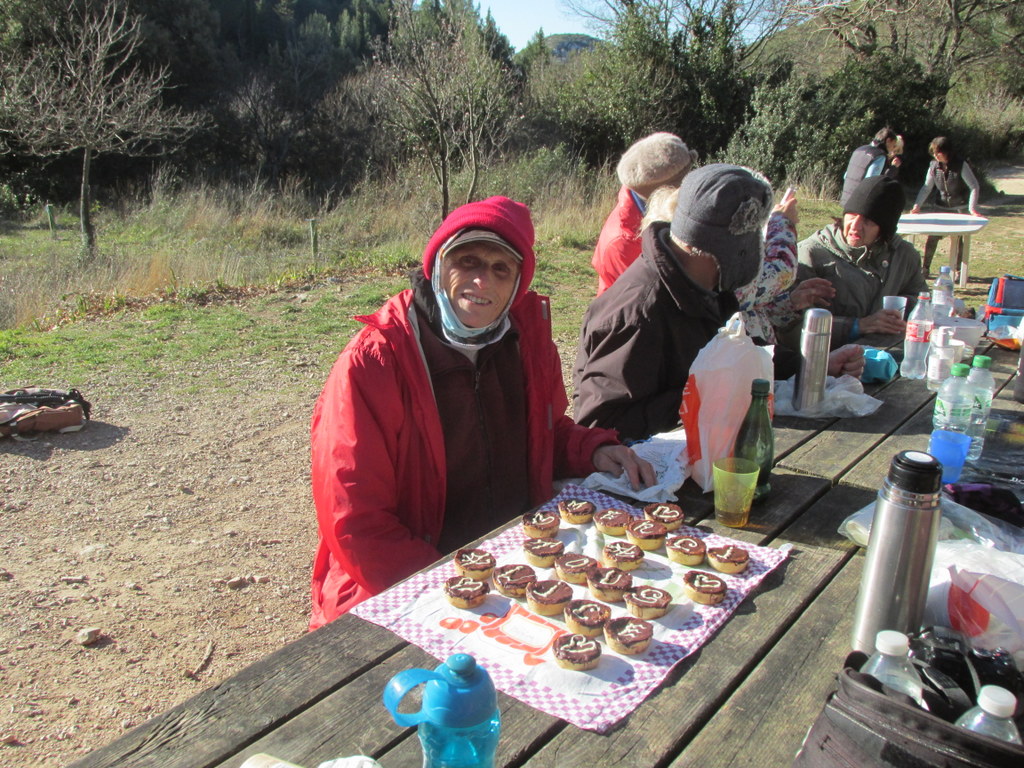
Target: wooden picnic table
{"type": "Point", "coordinates": [747, 697]}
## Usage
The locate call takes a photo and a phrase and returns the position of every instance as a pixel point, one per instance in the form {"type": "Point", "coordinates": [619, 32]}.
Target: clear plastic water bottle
{"type": "Point", "coordinates": [983, 386]}
{"type": "Point", "coordinates": [993, 716]}
{"type": "Point", "coordinates": [915, 344]}
{"type": "Point", "coordinates": [940, 356]}
{"type": "Point", "coordinates": [891, 666]}
{"type": "Point", "coordinates": [954, 402]}
{"type": "Point", "coordinates": [942, 293]}
{"type": "Point", "coordinates": [459, 722]}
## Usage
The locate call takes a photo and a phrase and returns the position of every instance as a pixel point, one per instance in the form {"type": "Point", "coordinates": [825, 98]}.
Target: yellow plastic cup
{"type": "Point", "coordinates": [735, 482]}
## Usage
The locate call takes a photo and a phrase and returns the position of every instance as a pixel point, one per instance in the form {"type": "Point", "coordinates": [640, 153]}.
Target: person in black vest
{"type": "Point", "coordinates": [882, 157]}
{"type": "Point", "coordinates": [957, 187]}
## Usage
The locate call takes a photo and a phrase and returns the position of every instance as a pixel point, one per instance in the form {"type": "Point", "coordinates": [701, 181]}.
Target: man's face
{"type": "Point", "coordinates": [479, 279]}
{"type": "Point", "coordinates": [858, 231]}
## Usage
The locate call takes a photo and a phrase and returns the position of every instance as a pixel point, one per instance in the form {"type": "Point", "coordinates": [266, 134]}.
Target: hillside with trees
{"type": "Point", "coordinates": [321, 95]}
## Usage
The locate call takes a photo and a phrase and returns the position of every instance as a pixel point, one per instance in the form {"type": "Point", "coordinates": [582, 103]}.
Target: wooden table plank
{"type": "Point", "coordinates": [832, 453]}
{"type": "Point", "coordinates": [225, 718]}
{"type": "Point", "coordinates": [765, 721]}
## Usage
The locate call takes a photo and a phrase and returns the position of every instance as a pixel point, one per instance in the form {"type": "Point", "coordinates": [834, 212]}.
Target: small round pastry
{"type": "Point", "coordinates": [648, 602]}
{"type": "Point", "coordinates": [576, 511]}
{"type": "Point", "coordinates": [548, 597]}
{"type": "Point", "coordinates": [646, 534]}
{"type": "Point", "coordinates": [669, 515]}
{"type": "Point", "coordinates": [686, 550]}
{"type": "Point", "coordinates": [464, 592]}
{"type": "Point", "coordinates": [513, 579]}
{"type": "Point", "coordinates": [539, 524]}
{"type": "Point", "coordinates": [585, 617]}
{"type": "Point", "coordinates": [542, 552]}
{"type": "Point", "coordinates": [628, 635]}
{"type": "Point", "coordinates": [576, 652]}
{"type": "Point", "coordinates": [729, 559]}
{"type": "Point", "coordinates": [622, 555]}
{"type": "Point", "coordinates": [609, 584]}
{"type": "Point", "coordinates": [703, 587]}
{"type": "Point", "coordinates": [475, 563]}
{"type": "Point", "coordinates": [612, 521]}
{"type": "Point", "coordinates": [574, 567]}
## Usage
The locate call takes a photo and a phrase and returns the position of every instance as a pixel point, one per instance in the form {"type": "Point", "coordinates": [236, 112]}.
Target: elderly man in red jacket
{"type": "Point", "coordinates": [445, 416]}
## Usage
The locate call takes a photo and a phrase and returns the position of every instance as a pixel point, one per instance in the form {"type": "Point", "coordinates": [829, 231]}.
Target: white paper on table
{"type": "Point", "coordinates": [667, 454]}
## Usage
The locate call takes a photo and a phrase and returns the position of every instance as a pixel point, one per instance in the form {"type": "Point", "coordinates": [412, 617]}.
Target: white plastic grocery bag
{"type": "Point", "coordinates": [717, 395]}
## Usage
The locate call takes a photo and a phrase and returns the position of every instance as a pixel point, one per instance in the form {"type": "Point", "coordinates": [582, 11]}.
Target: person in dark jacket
{"type": "Point", "coordinates": [865, 260]}
{"type": "Point", "coordinates": [882, 157]}
{"type": "Point", "coordinates": [957, 190]}
{"type": "Point", "coordinates": [640, 337]}
{"type": "Point", "coordinates": [444, 417]}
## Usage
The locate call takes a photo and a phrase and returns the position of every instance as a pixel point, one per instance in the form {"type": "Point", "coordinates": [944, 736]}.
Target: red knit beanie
{"type": "Point", "coordinates": [506, 218]}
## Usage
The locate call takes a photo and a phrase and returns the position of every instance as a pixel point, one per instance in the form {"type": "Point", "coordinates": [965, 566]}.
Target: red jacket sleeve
{"type": "Point", "coordinates": [364, 483]}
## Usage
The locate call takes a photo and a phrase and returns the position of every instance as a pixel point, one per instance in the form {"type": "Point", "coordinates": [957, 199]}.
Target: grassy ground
{"type": "Point", "coordinates": [132, 312]}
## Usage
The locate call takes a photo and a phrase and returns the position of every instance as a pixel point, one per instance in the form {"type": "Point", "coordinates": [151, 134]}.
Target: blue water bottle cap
{"type": "Point", "coordinates": [466, 700]}
{"type": "Point", "coordinates": [458, 694]}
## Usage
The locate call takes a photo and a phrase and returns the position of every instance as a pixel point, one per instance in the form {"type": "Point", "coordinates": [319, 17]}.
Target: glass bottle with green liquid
{"type": "Point", "coordinates": [755, 439]}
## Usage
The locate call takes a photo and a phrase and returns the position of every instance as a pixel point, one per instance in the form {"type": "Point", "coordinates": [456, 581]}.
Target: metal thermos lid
{"type": "Point", "coordinates": [817, 320]}
{"type": "Point", "coordinates": [916, 472]}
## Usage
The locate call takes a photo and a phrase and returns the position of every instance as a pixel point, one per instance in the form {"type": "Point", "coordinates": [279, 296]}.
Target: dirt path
{"type": "Point", "coordinates": [1008, 179]}
{"type": "Point", "coordinates": [183, 532]}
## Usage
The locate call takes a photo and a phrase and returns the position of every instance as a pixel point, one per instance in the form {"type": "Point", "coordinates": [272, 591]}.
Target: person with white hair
{"type": "Point", "coordinates": [658, 160]}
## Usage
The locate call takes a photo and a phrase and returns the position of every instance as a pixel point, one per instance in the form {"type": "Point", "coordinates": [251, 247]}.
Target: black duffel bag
{"type": "Point", "coordinates": [861, 726]}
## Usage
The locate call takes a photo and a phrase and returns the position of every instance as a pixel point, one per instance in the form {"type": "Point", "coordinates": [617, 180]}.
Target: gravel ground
{"type": "Point", "coordinates": [183, 533]}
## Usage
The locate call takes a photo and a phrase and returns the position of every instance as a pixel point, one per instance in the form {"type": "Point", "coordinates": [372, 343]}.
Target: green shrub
{"type": "Point", "coordinates": [803, 129]}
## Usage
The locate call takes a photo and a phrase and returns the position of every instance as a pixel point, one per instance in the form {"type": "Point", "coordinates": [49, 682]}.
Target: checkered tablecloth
{"type": "Point", "coordinates": [514, 644]}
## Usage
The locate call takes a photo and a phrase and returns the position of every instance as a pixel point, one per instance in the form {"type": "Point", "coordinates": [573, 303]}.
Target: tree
{"type": "Point", "coordinates": [79, 90]}
{"type": "Point", "coordinates": [752, 22]}
{"type": "Point", "coordinates": [439, 90]}
{"type": "Point", "coordinates": [946, 36]}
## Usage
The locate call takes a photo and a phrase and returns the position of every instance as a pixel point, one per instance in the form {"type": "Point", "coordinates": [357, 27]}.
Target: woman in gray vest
{"type": "Point", "coordinates": [957, 187]}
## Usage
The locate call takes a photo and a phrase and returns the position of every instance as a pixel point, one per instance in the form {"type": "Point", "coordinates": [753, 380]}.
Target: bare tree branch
{"type": "Point", "coordinates": [82, 91]}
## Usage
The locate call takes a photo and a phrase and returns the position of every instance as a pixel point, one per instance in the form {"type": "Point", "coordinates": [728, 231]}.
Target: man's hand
{"type": "Point", "coordinates": [847, 360]}
{"type": "Point", "coordinates": [883, 321]}
{"type": "Point", "coordinates": [916, 209]}
{"type": "Point", "coordinates": [812, 292]}
{"type": "Point", "coordinates": [616, 459]}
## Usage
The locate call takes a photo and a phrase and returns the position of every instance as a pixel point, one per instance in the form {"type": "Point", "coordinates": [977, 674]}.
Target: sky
{"type": "Point", "coordinates": [519, 20]}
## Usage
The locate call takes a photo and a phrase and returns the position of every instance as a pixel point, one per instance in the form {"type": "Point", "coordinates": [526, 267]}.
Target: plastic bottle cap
{"type": "Point", "coordinates": [997, 701]}
{"type": "Point", "coordinates": [960, 370]}
{"type": "Point", "coordinates": [982, 361]}
{"type": "Point", "coordinates": [760, 387]}
{"type": "Point", "coordinates": [892, 643]}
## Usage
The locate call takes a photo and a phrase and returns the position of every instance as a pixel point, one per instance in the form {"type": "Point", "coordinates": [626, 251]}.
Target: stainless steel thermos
{"type": "Point", "coordinates": [901, 548]}
{"type": "Point", "coordinates": [814, 346]}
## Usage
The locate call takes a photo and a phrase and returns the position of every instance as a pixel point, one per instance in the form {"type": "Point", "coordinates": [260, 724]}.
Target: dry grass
{"type": "Point", "coordinates": [184, 240]}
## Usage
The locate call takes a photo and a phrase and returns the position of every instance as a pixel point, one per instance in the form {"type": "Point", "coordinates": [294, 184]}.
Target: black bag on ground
{"type": "Point", "coordinates": [861, 726]}
{"type": "Point", "coordinates": [26, 411]}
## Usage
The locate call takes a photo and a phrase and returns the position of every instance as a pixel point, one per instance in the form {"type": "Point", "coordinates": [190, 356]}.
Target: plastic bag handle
{"type": "Point", "coordinates": [399, 686]}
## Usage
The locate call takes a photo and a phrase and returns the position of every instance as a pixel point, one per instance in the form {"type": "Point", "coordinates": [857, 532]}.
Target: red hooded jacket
{"type": "Point", "coordinates": [618, 245]}
{"type": "Point", "coordinates": [377, 443]}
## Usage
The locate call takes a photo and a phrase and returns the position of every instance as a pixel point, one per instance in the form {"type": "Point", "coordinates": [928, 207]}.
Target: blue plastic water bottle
{"type": "Point", "coordinates": [459, 722]}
